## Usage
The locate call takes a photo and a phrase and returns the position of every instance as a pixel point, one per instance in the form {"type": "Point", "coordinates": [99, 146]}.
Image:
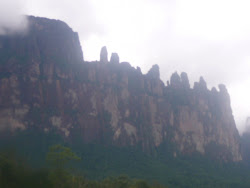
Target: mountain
{"type": "Point", "coordinates": [247, 125]}
{"type": "Point", "coordinates": [245, 142]}
{"type": "Point", "coordinates": [46, 85]}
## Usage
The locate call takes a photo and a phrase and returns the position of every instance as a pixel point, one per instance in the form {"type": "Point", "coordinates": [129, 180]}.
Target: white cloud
{"type": "Point", "coordinates": [12, 19]}
{"type": "Point", "coordinates": [209, 37]}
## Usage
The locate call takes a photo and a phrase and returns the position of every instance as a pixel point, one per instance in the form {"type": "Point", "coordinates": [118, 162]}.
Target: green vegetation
{"type": "Point", "coordinates": [97, 165]}
{"type": "Point", "coordinates": [16, 174]}
{"type": "Point", "coordinates": [59, 158]}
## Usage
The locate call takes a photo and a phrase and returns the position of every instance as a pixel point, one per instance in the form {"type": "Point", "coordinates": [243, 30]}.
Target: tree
{"type": "Point", "coordinates": [59, 158]}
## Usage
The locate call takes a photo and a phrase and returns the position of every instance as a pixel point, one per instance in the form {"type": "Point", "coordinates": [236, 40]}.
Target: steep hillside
{"type": "Point", "coordinates": [46, 85]}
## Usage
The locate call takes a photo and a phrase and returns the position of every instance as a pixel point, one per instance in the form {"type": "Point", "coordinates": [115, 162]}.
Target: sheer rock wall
{"type": "Point", "coordinates": [46, 84]}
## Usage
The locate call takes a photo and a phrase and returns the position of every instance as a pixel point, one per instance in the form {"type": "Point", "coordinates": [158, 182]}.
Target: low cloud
{"type": "Point", "coordinates": [12, 20]}
{"type": "Point", "coordinates": [203, 38]}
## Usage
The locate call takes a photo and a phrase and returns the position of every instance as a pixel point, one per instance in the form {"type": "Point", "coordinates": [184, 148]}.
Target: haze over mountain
{"type": "Point", "coordinates": [47, 86]}
{"type": "Point", "coordinates": [11, 19]}
{"type": "Point", "coordinates": [178, 35]}
{"type": "Point", "coordinates": [116, 118]}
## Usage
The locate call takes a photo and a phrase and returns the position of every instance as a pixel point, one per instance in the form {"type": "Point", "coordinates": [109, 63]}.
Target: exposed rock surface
{"type": "Point", "coordinates": [114, 58]}
{"type": "Point", "coordinates": [154, 72]}
{"type": "Point", "coordinates": [185, 80]}
{"type": "Point", "coordinates": [44, 83]}
{"type": "Point", "coordinates": [104, 55]}
{"type": "Point", "coordinates": [175, 80]}
{"type": "Point", "coordinates": [245, 142]}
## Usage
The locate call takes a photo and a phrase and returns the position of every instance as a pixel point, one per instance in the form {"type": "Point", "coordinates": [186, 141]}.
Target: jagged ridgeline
{"type": "Point", "coordinates": [47, 87]}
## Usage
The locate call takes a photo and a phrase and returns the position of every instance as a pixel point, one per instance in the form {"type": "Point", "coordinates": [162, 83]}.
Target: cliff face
{"type": "Point", "coordinates": [245, 142]}
{"type": "Point", "coordinates": [45, 84]}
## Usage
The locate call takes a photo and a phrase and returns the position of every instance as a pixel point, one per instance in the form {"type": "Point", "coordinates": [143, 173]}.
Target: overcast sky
{"type": "Point", "coordinates": [201, 37]}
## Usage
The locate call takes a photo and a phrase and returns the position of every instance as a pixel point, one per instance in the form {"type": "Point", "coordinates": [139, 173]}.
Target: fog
{"type": "Point", "coordinates": [12, 19]}
{"type": "Point", "coordinates": [203, 38]}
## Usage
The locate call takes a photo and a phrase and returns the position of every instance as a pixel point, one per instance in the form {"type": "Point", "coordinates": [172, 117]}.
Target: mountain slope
{"type": "Point", "coordinates": [46, 85]}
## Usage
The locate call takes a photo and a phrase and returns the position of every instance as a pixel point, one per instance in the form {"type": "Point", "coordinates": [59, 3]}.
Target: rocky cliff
{"type": "Point", "coordinates": [46, 84]}
{"type": "Point", "coordinates": [245, 142]}
{"type": "Point", "coordinates": [247, 125]}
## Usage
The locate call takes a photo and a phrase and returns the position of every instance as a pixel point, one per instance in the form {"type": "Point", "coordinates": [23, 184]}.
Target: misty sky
{"type": "Point", "coordinates": [201, 37]}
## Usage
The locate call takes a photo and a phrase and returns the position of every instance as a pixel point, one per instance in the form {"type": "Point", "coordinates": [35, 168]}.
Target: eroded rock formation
{"type": "Point", "coordinates": [114, 58]}
{"type": "Point", "coordinates": [44, 83]}
{"type": "Point", "coordinates": [104, 55]}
